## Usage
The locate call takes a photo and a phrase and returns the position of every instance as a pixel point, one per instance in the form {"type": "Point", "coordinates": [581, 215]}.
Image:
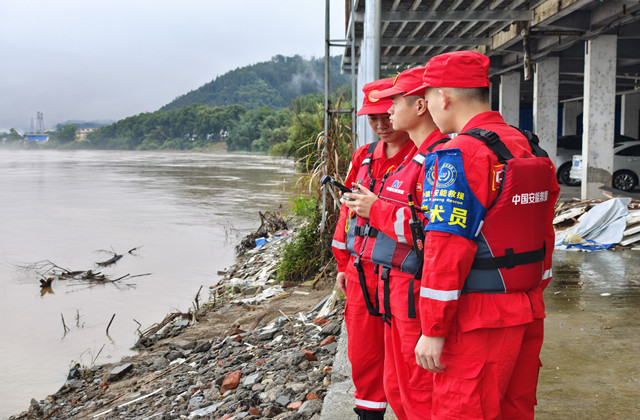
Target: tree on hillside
{"type": "Point", "coordinates": [271, 83]}
{"type": "Point", "coordinates": [14, 135]}
{"type": "Point", "coordinates": [65, 134]}
{"type": "Point", "coordinates": [273, 130]}
{"type": "Point", "coordinates": [248, 129]}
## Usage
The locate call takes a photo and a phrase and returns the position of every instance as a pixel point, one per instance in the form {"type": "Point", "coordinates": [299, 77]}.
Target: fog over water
{"type": "Point", "coordinates": [186, 212]}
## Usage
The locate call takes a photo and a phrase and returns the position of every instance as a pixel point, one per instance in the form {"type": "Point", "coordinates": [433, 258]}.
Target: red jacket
{"type": "Point", "coordinates": [448, 257]}
{"type": "Point", "coordinates": [380, 165]}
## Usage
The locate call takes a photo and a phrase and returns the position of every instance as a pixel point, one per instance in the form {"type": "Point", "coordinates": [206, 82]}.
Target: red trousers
{"type": "Point", "coordinates": [408, 386]}
{"type": "Point", "coordinates": [479, 366]}
{"type": "Point", "coordinates": [520, 399]}
{"type": "Point", "coordinates": [365, 347]}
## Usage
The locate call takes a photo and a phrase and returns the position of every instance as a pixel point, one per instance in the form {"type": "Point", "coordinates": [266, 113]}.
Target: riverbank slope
{"type": "Point", "coordinates": [256, 349]}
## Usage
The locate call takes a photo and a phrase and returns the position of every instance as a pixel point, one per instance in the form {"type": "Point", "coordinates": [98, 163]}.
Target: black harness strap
{"type": "Point", "coordinates": [370, 150]}
{"type": "Point", "coordinates": [365, 293]}
{"type": "Point", "coordinates": [375, 270]}
{"type": "Point", "coordinates": [411, 300]}
{"type": "Point", "coordinates": [534, 143]}
{"type": "Point", "coordinates": [386, 317]}
{"type": "Point", "coordinates": [442, 140]}
{"type": "Point", "coordinates": [366, 230]}
{"type": "Point", "coordinates": [493, 142]}
{"type": "Point", "coordinates": [510, 259]}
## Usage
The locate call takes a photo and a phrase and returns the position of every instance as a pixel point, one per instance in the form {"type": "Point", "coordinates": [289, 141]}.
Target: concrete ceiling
{"type": "Point", "coordinates": [510, 32]}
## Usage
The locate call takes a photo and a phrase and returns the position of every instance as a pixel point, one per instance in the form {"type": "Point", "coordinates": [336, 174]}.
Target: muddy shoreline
{"type": "Point", "coordinates": [254, 350]}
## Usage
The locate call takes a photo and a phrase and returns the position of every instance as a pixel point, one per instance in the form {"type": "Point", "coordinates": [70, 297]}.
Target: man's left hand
{"type": "Point", "coordinates": [428, 352]}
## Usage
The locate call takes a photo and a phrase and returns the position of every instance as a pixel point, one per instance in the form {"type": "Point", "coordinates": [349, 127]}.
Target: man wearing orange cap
{"type": "Point", "coordinates": [358, 281]}
{"type": "Point", "coordinates": [488, 250]}
{"type": "Point", "coordinates": [393, 247]}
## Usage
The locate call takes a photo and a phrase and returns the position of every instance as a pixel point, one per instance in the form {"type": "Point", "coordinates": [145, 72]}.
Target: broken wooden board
{"type": "Point", "coordinates": [627, 240]}
{"type": "Point", "coordinates": [569, 214]}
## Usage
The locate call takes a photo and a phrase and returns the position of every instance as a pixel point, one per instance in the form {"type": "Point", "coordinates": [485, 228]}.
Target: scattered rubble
{"type": "Point", "coordinates": [597, 224]}
{"type": "Point", "coordinates": [255, 350]}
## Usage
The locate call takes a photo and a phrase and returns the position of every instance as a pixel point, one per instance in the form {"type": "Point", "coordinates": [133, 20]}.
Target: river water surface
{"type": "Point", "coordinates": [185, 212]}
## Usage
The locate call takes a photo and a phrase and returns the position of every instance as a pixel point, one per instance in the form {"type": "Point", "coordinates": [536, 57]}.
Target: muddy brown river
{"type": "Point", "coordinates": [591, 354]}
{"type": "Point", "coordinates": [185, 212]}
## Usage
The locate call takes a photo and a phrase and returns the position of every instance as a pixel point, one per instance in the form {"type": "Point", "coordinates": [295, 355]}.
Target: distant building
{"type": "Point", "coordinates": [81, 133]}
{"type": "Point", "coordinates": [37, 137]}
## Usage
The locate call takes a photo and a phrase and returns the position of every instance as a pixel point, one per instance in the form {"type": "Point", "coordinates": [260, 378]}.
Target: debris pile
{"type": "Point", "coordinates": [255, 350]}
{"type": "Point", "coordinates": [48, 272]}
{"type": "Point", "coordinates": [270, 222]}
{"type": "Point", "coordinates": [597, 224]}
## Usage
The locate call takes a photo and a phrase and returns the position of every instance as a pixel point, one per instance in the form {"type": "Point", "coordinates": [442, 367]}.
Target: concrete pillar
{"type": "Point", "coordinates": [570, 112]}
{"type": "Point", "coordinates": [369, 66]}
{"type": "Point", "coordinates": [365, 134]}
{"type": "Point", "coordinates": [629, 118]}
{"type": "Point", "coordinates": [545, 104]}
{"type": "Point", "coordinates": [599, 114]}
{"type": "Point", "coordinates": [509, 98]}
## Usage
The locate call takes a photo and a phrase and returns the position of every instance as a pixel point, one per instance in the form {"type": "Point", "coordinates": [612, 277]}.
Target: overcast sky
{"type": "Point", "coordinates": [108, 59]}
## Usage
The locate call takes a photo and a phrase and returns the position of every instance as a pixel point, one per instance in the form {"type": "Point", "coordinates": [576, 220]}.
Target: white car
{"type": "Point", "coordinates": [626, 166]}
{"type": "Point", "coordinates": [567, 147]}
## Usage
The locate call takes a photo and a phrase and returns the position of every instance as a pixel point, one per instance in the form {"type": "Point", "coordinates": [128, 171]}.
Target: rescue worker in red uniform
{"type": "Point", "coordinates": [408, 386]}
{"type": "Point", "coordinates": [365, 328]}
{"type": "Point", "coordinates": [488, 250]}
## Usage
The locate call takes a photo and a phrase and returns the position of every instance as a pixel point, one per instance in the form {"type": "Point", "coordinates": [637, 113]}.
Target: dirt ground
{"type": "Point", "coordinates": [217, 324]}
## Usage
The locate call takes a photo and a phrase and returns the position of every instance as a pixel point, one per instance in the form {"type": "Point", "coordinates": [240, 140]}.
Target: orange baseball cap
{"type": "Point", "coordinates": [406, 81]}
{"type": "Point", "coordinates": [372, 105]}
{"type": "Point", "coordinates": [458, 69]}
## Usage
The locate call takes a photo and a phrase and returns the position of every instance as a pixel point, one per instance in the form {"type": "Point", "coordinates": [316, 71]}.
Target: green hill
{"type": "Point", "coordinates": [271, 83]}
{"type": "Point", "coordinates": [275, 106]}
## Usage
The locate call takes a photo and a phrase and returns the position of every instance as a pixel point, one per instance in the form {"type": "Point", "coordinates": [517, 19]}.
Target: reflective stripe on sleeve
{"type": "Point", "coordinates": [371, 404]}
{"type": "Point", "coordinates": [338, 245]}
{"type": "Point", "coordinates": [547, 274]}
{"type": "Point", "coordinates": [398, 226]}
{"type": "Point", "coordinates": [441, 295]}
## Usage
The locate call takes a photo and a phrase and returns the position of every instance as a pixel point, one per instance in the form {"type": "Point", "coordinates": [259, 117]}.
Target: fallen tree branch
{"type": "Point", "coordinates": [114, 315]}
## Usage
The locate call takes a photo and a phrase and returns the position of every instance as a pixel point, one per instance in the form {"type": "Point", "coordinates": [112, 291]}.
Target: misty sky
{"type": "Point", "coordinates": [106, 60]}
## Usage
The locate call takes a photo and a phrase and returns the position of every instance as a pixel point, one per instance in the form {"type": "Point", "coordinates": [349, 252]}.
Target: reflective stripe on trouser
{"type": "Point", "coordinates": [365, 346]}
{"type": "Point", "coordinates": [479, 365]}
{"type": "Point", "coordinates": [520, 399]}
{"type": "Point", "coordinates": [412, 400]}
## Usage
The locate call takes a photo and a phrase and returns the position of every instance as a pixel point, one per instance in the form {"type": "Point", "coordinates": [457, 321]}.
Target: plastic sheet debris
{"type": "Point", "coordinates": [599, 228]}
{"type": "Point", "coordinates": [262, 296]}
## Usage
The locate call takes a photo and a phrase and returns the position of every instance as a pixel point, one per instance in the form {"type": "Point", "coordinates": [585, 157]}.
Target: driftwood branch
{"type": "Point", "coordinates": [157, 327]}
{"type": "Point", "coordinates": [257, 321]}
{"type": "Point", "coordinates": [133, 250]}
{"type": "Point", "coordinates": [114, 258]}
{"type": "Point", "coordinates": [114, 315]}
{"type": "Point", "coordinates": [196, 300]}
{"type": "Point", "coordinates": [66, 329]}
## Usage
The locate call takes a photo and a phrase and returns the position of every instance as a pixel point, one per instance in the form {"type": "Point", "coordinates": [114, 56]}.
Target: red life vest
{"type": "Point", "coordinates": [380, 248]}
{"type": "Point", "coordinates": [511, 246]}
{"type": "Point", "coordinates": [356, 227]}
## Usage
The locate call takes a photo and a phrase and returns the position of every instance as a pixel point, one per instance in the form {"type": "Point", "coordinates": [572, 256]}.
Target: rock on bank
{"type": "Point", "coordinates": [256, 350]}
